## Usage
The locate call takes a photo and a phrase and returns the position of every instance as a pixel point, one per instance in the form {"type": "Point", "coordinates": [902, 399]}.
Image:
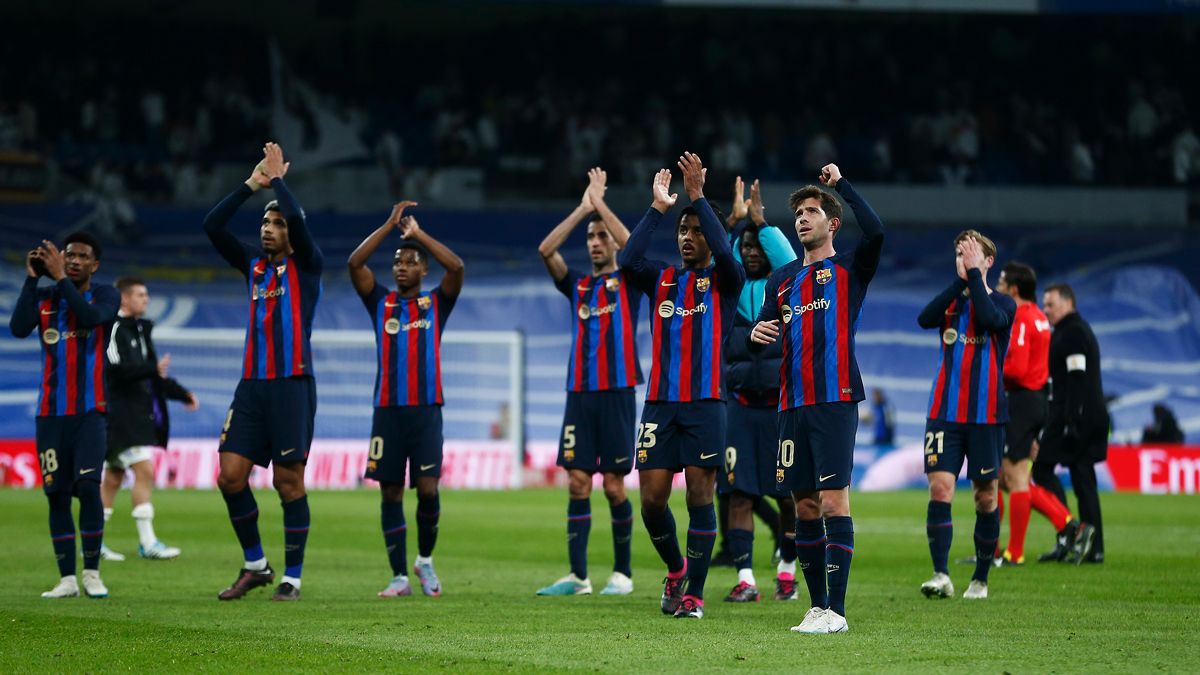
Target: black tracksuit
{"type": "Point", "coordinates": [137, 396]}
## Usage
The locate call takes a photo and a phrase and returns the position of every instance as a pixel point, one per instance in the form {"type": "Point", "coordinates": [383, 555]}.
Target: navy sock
{"type": "Point", "coordinates": [295, 535]}
{"type": "Point", "coordinates": [810, 553]}
{"type": "Point", "coordinates": [579, 526]}
{"type": "Point", "coordinates": [787, 544]}
{"type": "Point", "coordinates": [91, 523]}
{"type": "Point", "coordinates": [702, 535]}
{"type": "Point", "coordinates": [661, 527]}
{"type": "Point", "coordinates": [741, 546]}
{"type": "Point", "coordinates": [243, 513]}
{"type": "Point", "coordinates": [428, 510]}
{"type": "Point", "coordinates": [839, 551]}
{"type": "Point", "coordinates": [622, 534]}
{"type": "Point", "coordinates": [62, 533]}
{"type": "Point", "coordinates": [395, 535]}
{"type": "Point", "coordinates": [940, 529]}
{"type": "Point", "coordinates": [987, 532]}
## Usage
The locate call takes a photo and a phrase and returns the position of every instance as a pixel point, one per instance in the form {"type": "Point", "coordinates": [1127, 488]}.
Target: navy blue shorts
{"type": "Point", "coordinates": [816, 447]}
{"type": "Point", "coordinates": [751, 441]}
{"type": "Point", "coordinates": [403, 435]}
{"type": "Point", "coordinates": [597, 432]}
{"type": "Point", "coordinates": [271, 420]}
{"type": "Point", "coordinates": [674, 435]}
{"type": "Point", "coordinates": [71, 448]}
{"type": "Point", "coordinates": [948, 444]}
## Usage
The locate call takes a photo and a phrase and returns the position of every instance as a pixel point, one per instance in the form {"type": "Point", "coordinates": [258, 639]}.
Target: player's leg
{"type": "Point", "coordinates": [701, 451]}
{"type": "Point", "coordinates": [1089, 542]}
{"type": "Point", "coordinates": [722, 557]}
{"type": "Point", "coordinates": [741, 545]}
{"type": "Point", "coordinates": [579, 527]}
{"type": "Point", "coordinates": [89, 445]}
{"type": "Point", "coordinates": [1016, 478]}
{"type": "Point", "coordinates": [395, 535]}
{"type": "Point", "coordinates": [233, 482]}
{"type": "Point", "coordinates": [810, 546]}
{"type": "Point", "coordinates": [57, 472]}
{"type": "Point", "coordinates": [1049, 498]}
{"type": "Point", "coordinates": [785, 569]}
{"type": "Point", "coordinates": [739, 481]}
{"type": "Point", "coordinates": [149, 545]}
{"type": "Point", "coordinates": [655, 492]}
{"type": "Point", "coordinates": [839, 553]}
{"type": "Point", "coordinates": [114, 476]}
{"type": "Point", "coordinates": [621, 511]}
{"type": "Point", "coordinates": [987, 533]}
{"type": "Point", "coordinates": [765, 511]}
{"type": "Point", "coordinates": [426, 471]}
{"type": "Point", "coordinates": [944, 456]}
{"type": "Point", "coordinates": [288, 480]}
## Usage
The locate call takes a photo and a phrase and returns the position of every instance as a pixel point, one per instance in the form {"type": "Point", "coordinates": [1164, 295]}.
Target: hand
{"type": "Point", "coordinates": [664, 199]}
{"type": "Point", "coordinates": [972, 255]}
{"type": "Point", "coordinates": [193, 403]}
{"type": "Point", "coordinates": [597, 185]}
{"type": "Point", "coordinates": [164, 364]}
{"type": "Point", "coordinates": [756, 205]}
{"type": "Point", "coordinates": [258, 178]}
{"type": "Point", "coordinates": [765, 332]}
{"type": "Point", "coordinates": [830, 175]}
{"type": "Point", "coordinates": [409, 227]}
{"type": "Point", "coordinates": [398, 212]}
{"type": "Point", "coordinates": [741, 205]}
{"type": "Point", "coordinates": [273, 164]}
{"type": "Point", "coordinates": [34, 265]}
{"type": "Point", "coordinates": [693, 175]}
{"type": "Point", "coordinates": [53, 259]}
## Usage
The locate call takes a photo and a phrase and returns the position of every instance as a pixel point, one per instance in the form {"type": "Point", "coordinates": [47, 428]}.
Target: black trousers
{"type": "Point", "coordinates": [1087, 492]}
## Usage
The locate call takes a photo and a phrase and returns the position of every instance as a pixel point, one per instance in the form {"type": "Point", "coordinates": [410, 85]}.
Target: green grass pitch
{"type": "Point", "coordinates": [1138, 612]}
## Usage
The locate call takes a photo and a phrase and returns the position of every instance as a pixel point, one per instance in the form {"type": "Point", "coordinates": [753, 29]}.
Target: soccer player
{"type": "Point", "coordinates": [1077, 426]}
{"type": "Point", "coordinates": [598, 425]}
{"type": "Point", "coordinates": [683, 421]}
{"type": "Point", "coordinates": [967, 409]}
{"type": "Point", "coordinates": [819, 300]}
{"type": "Point", "coordinates": [1026, 370]}
{"type": "Point", "coordinates": [71, 318]}
{"type": "Point", "coordinates": [406, 427]}
{"type": "Point", "coordinates": [270, 421]}
{"type": "Point", "coordinates": [138, 389]}
{"type": "Point", "coordinates": [752, 436]}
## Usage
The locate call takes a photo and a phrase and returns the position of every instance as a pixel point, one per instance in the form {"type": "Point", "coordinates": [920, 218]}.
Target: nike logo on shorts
{"type": "Point", "coordinates": [621, 459]}
{"type": "Point", "coordinates": [83, 471]}
{"type": "Point", "coordinates": [825, 478]}
{"type": "Point", "coordinates": [287, 452]}
{"type": "Point", "coordinates": [426, 467]}
{"type": "Point", "coordinates": [984, 472]}
{"type": "Point", "coordinates": [710, 456]}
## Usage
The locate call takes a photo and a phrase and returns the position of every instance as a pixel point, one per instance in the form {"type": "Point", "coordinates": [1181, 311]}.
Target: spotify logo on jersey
{"type": "Point", "coordinates": [666, 309]}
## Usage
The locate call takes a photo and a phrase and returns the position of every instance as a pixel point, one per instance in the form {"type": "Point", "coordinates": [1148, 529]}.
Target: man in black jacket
{"type": "Point", "coordinates": [138, 389]}
{"type": "Point", "coordinates": [1076, 432]}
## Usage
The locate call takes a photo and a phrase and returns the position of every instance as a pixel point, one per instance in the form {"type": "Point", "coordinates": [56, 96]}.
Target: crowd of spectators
{"type": "Point", "coordinates": [945, 99]}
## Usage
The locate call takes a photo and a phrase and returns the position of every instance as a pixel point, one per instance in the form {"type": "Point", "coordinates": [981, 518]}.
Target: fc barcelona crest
{"type": "Point", "coordinates": [932, 459]}
{"type": "Point", "coordinates": [281, 269]}
{"type": "Point", "coordinates": [702, 284]}
{"type": "Point", "coordinates": [612, 284]}
{"type": "Point", "coordinates": [423, 302]}
{"type": "Point", "coordinates": [824, 275]}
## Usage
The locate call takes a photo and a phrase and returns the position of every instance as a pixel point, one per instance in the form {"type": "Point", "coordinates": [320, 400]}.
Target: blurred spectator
{"type": "Point", "coordinates": [1165, 428]}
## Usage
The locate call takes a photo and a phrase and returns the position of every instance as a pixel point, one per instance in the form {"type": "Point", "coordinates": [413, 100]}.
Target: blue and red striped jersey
{"type": "Point", "coordinates": [74, 340]}
{"type": "Point", "coordinates": [818, 306]}
{"type": "Point", "coordinates": [408, 346]}
{"type": "Point", "coordinates": [282, 302]}
{"type": "Point", "coordinates": [692, 311]}
{"type": "Point", "coordinates": [969, 386]}
{"type": "Point", "coordinates": [603, 331]}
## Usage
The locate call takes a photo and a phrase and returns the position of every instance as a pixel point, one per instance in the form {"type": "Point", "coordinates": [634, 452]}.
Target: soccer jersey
{"type": "Point", "coordinates": [818, 306]}
{"type": "Point", "coordinates": [1027, 363]}
{"type": "Point", "coordinates": [974, 328]}
{"type": "Point", "coordinates": [283, 293]}
{"type": "Point", "coordinates": [408, 344]}
{"type": "Point", "coordinates": [73, 363]}
{"type": "Point", "coordinates": [603, 331]}
{"type": "Point", "coordinates": [692, 311]}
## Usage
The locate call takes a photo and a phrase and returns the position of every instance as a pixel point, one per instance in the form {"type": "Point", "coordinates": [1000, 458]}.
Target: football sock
{"type": "Point", "coordinates": [295, 537]}
{"type": "Point", "coordinates": [107, 515]}
{"type": "Point", "coordinates": [787, 545]}
{"type": "Point", "coordinates": [91, 522]}
{"type": "Point", "coordinates": [1018, 524]}
{"type": "Point", "coordinates": [143, 518]}
{"type": "Point", "coordinates": [243, 514]}
{"type": "Point", "coordinates": [810, 553]}
{"type": "Point", "coordinates": [395, 535]}
{"type": "Point", "coordinates": [579, 526]}
{"type": "Point", "coordinates": [1048, 505]}
{"type": "Point", "coordinates": [741, 545]}
{"type": "Point", "coordinates": [701, 536]}
{"type": "Point", "coordinates": [62, 533]}
{"type": "Point", "coordinates": [622, 534]}
{"type": "Point", "coordinates": [661, 527]}
{"type": "Point", "coordinates": [939, 527]}
{"type": "Point", "coordinates": [839, 551]}
{"type": "Point", "coordinates": [1044, 476]}
{"type": "Point", "coordinates": [987, 532]}
{"type": "Point", "coordinates": [428, 511]}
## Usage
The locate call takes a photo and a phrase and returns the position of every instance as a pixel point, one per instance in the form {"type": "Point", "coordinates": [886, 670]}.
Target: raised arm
{"type": "Point", "coordinates": [361, 276]}
{"type": "Point", "coordinates": [934, 313]}
{"type": "Point", "coordinates": [730, 273]}
{"type": "Point", "coordinates": [597, 181]}
{"type": "Point", "coordinates": [866, 255]}
{"type": "Point", "coordinates": [988, 316]}
{"type": "Point", "coordinates": [452, 282]}
{"type": "Point", "coordinates": [774, 242]}
{"type": "Point", "coordinates": [24, 319]}
{"type": "Point", "coordinates": [304, 249]}
{"type": "Point", "coordinates": [555, 265]}
{"type": "Point", "coordinates": [216, 224]}
{"type": "Point", "coordinates": [632, 258]}
{"type": "Point", "coordinates": [105, 302]}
